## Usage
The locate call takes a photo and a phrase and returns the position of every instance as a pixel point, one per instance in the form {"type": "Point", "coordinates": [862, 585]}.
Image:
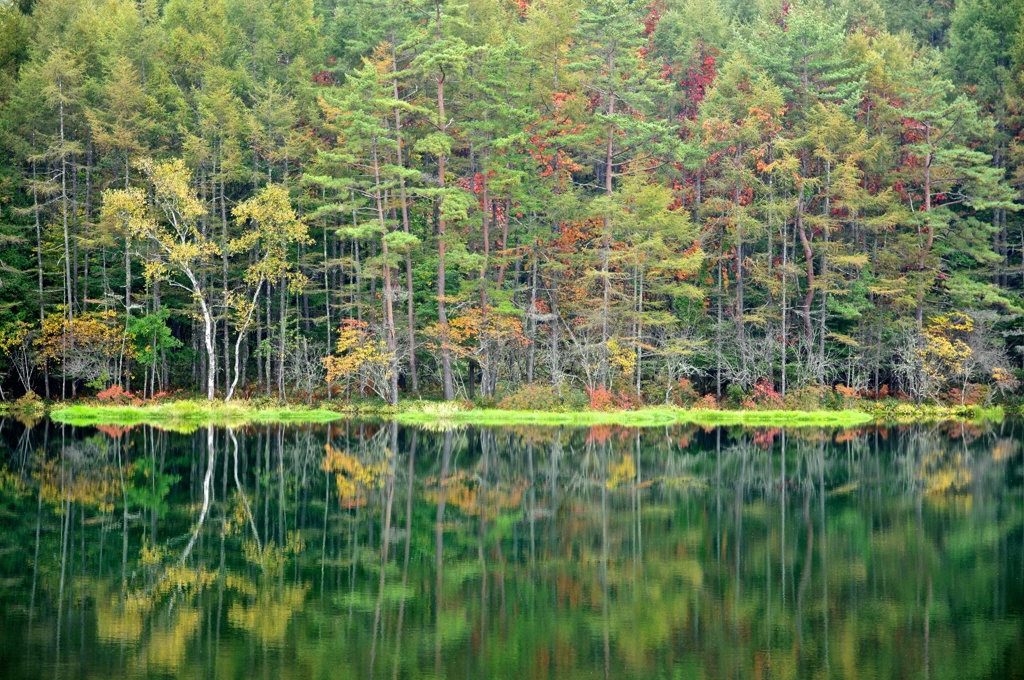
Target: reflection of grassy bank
{"type": "Point", "coordinates": [187, 415]}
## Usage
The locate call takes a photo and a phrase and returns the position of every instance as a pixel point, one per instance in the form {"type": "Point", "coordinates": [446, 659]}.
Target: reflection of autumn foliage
{"type": "Point", "coordinates": [464, 492]}
{"type": "Point", "coordinates": [89, 485]}
{"type": "Point", "coordinates": [1004, 448]}
{"type": "Point", "coordinates": [267, 616]}
{"type": "Point", "coordinates": [602, 434]}
{"type": "Point", "coordinates": [115, 431]}
{"type": "Point", "coordinates": [943, 472]}
{"type": "Point", "coordinates": [352, 476]}
{"type": "Point", "coordinates": [623, 471]}
{"type": "Point", "coordinates": [851, 435]}
{"type": "Point", "coordinates": [969, 432]}
{"type": "Point", "coordinates": [766, 437]}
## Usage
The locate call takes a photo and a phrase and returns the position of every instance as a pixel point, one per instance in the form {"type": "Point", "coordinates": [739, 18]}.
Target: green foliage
{"type": "Point", "coordinates": [605, 194]}
{"type": "Point", "coordinates": [150, 336]}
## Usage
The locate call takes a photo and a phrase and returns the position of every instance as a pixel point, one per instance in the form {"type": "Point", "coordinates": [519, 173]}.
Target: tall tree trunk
{"type": "Point", "coordinates": [404, 203]}
{"type": "Point", "coordinates": [607, 246]}
{"type": "Point", "coordinates": [930, 237]}
{"type": "Point", "coordinates": [809, 260]}
{"type": "Point", "coordinates": [532, 320]}
{"type": "Point", "coordinates": [741, 332]}
{"type": "Point", "coordinates": [224, 278]}
{"type": "Point", "coordinates": [39, 267]}
{"type": "Point", "coordinates": [389, 315]}
{"type": "Point", "coordinates": [282, 311]}
{"type": "Point", "coordinates": [442, 312]}
{"type": "Point", "coordinates": [64, 206]}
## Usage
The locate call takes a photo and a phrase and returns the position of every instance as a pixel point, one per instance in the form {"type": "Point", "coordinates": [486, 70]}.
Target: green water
{"type": "Point", "coordinates": [379, 551]}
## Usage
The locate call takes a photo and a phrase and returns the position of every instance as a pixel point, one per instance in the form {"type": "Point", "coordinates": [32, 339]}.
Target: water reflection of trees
{"type": "Point", "coordinates": [519, 552]}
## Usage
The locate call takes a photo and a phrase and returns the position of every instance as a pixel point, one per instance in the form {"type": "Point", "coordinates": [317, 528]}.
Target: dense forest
{"type": "Point", "coordinates": [633, 201]}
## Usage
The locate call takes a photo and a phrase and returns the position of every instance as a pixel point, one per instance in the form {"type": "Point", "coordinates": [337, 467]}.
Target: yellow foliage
{"type": "Point", "coordinates": [945, 355]}
{"type": "Point", "coordinates": [267, 618]}
{"type": "Point", "coordinates": [97, 487]}
{"type": "Point", "coordinates": [358, 352]}
{"type": "Point", "coordinates": [942, 474]}
{"type": "Point", "coordinates": [167, 647]}
{"type": "Point", "coordinates": [352, 476]}
{"type": "Point", "coordinates": [621, 358]}
{"type": "Point", "coordinates": [463, 491]}
{"type": "Point", "coordinates": [623, 471]}
{"type": "Point", "coordinates": [96, 333]}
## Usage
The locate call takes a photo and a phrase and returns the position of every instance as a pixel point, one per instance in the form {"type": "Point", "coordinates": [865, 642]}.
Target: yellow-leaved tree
{"type": "Point", "coordinates": [946, 356]}
{"type": "Point", "coordinates": [181, 251]}
{"type": "Point", "coordinates": [269, 227]}
{"type": "Point", "coordinates": [361, 357]}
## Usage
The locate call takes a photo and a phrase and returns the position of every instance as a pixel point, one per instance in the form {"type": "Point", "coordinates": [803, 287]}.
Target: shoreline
{"type": "Point", "coordinates": [190, 414]}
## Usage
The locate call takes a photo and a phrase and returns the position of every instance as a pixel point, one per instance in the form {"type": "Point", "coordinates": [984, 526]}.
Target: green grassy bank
{"type": "Point", "coordinates": [646, 417]}
{"type": "Point", "coordinates": [190, 414]}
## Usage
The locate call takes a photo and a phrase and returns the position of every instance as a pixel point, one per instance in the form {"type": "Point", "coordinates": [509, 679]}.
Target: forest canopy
{"type": "Point", "coordinates": [636, 201]}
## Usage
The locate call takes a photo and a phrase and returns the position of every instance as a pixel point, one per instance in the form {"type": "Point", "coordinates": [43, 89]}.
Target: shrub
{"type": "Point", "coordinates": [974, 395]}
{"type": "Point", "coordinates": [685, 394]}
{"type": "Point", "coordinates": [601, 398]}
{"type": "Point", "coordinates": [114, 394]}
{"type": "Point", "coordinates": [847, 392]}
{"type": "Point", "coordinates": [764, 397]}
{"type": "Point", "coordinates": [441, 409]}
{"type": "Point", "coordinates": [535, 397]}
{"type": "Point", "coordinates": [735, 395]}
{"type": "Point", "coordinates": [28, 404]}
{"type": "Point", "coordinates": [626, 400]}
{"type": "Point", "coordinates": [708, 402]}
{"type": "Point", "coordinates": [808, 398]}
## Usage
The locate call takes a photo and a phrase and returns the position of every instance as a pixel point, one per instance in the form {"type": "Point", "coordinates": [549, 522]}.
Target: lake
{"type": "Point", "coordinates": [370, 550]}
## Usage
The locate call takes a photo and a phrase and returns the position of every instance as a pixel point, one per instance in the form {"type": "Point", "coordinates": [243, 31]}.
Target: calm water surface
{"type": "Point", "coordinates": [375, 551]}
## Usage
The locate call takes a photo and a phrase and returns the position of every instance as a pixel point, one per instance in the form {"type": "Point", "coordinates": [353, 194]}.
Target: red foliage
{"type": "Point", "coordinates": [115, 394]}
{"type": "Point", "coordinates": [764, 396]}
{"type": "Point", "coordinates": [323, 78]}
{"type": "Point", "coordinates": [653, 17]}
{"type": "Point", "coordinates": [625, 401]}
{"type": "Point", "coordinates": [700, 76]}
{"type": "Point", "coordinates": [601, 398]}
